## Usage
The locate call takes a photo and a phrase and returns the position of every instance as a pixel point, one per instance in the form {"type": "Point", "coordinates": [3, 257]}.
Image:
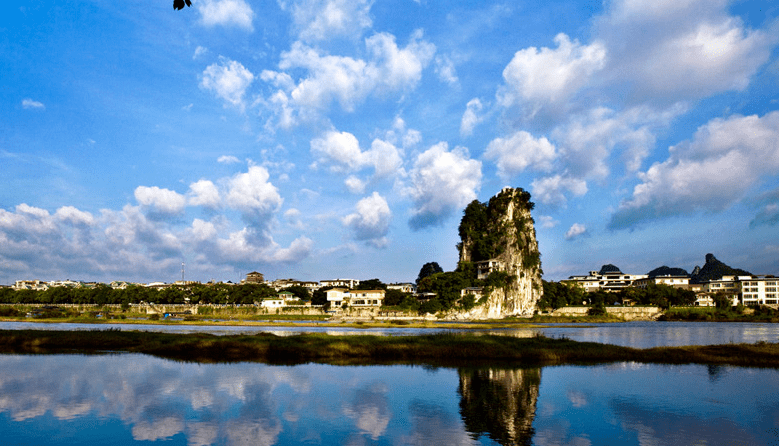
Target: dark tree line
{"type": "Point", "coordinates": [557, 295]}
{"type": "Point", "coordinates": [103, 294]}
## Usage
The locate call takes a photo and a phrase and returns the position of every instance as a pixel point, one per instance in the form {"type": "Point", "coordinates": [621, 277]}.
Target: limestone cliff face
{"type": "Point", "coordinates": [499, 240]}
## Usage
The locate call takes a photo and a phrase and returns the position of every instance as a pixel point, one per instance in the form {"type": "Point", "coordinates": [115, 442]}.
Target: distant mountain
{"type": "Point", "coordinates": [605, 269]}
{"type": "Point", "coordinates": [667, 271]}
{"type": "Point", "coordinates": [714, 270]}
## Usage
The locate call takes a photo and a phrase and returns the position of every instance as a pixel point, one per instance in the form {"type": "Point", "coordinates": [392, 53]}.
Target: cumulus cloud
{"type": "Point", "coordinates": [163, 201]}
{"type": "Point", "coordinates": [354, 184]}
{"type": "Point", "coordinates": [678, 50]}
{"type": "Point", "coordinates": [471, 117]}
{"type": "Point", "coordinates": [551, 190]}
{"type": "Point", "coordinates": [442, 182]}
{"type": "Point", "coordinates": [226, 13]}
{"type": "Point", "coordinates": [576, 230]}
{"type": "Point", "coordinates": [723, 161]}
{"type": "Point", "coordinates": [204, 193]}
{"type": "Point", "coordinates": [228, 80]}
{"type": "Point", "coordinates": [345, 80]}
{"type": "Point", "coordinates": [536, 77]}
{"type": "Point", "coordinates": [519, 152]}
{"type": "Point", "coordinates": [28, 104]}
{"type": "Point", "coordinates": [370, 221]}
{"type": "Point", "coordinates": [252, 193]}
{"type": "Point", "coordinates": [324, 19]}
{"type": "Point", "coordinates": [341, 151]}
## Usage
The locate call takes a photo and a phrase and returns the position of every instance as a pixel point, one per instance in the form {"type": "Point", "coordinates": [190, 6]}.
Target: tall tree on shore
{"type": "Point", "coordinates": [428, 269]}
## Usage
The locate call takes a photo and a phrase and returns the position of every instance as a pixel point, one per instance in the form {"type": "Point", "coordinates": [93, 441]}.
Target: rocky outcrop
{"type": "Point", "coordinates": [499, 239]}
{"type": "Point", "coordinates": [713, 269]}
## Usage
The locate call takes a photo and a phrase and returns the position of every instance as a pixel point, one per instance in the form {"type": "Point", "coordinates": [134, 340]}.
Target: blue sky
{"type": "Point", "coordinates": [315, 139]}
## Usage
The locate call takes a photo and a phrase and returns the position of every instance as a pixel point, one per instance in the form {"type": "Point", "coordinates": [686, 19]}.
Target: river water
{"type": "Point", "coordinates": [124, 399]}
{"type": "Point", "coordinates": [630, 334]}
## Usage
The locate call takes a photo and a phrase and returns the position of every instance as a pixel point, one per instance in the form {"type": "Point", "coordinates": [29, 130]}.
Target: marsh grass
{"type": "Point", "coordinates": [435, 349]}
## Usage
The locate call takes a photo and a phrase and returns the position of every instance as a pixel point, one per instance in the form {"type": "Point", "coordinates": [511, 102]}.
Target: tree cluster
{"type": "Point", "coordinates": [102, 294]}
{"type": "Point", "coordinates": [557, 295]}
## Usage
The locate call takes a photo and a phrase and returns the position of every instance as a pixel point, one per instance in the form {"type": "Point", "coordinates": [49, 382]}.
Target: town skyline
{"type": "Point", "coordinates": [324, 138]}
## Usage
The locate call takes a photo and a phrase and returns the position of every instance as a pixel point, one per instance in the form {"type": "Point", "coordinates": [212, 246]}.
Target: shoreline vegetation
{"type": "Point", "coordinates": [435, 349]}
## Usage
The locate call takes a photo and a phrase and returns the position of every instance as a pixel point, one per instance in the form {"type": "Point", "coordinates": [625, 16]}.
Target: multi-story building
{"type": "Point", "coordinates": [759, 290]}
{"type": "Point", "coordinates": [403, 287]}
{"type": "Point", "coordinates": [254, 277]}
{"type": "Point", "coordinates": [338, 297]}
{"type": "Point", "coordinates": [340, 283]}
{"type": "Point", "coordinates": [611, 281]}
{"type": "Point", "coordinates": [485, 267]}
{"type": "Point", "coordinates": [674, 281]}
{"type": "Point", "coordinates": [36, 285]}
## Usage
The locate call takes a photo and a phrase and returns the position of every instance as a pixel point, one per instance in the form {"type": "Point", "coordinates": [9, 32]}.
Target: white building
{"type": "Point", "coordinates": [340, 283]}
{"type": "Point", "coordinates": [611, 281]}
{"type": "Point", "coordinates": [485, 267]}
{"type": "Point", "coordinates": [674, 281]}
{"type": "Point", "coordinates": [403, 287]}
{"type": "Point", "coordinates": [338, 297]}
{"type": "Point", "coordinates": [759, 291]}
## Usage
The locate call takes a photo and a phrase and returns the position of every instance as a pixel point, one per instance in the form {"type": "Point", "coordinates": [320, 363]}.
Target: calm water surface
{"type": "Point", "coordinates": [129, 399]}
{"type": "Point", "coordinates": [631, 334]}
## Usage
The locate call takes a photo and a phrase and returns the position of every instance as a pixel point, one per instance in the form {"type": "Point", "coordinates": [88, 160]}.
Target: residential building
{"type": "Point", "coordinates": [340, 283]}
{"type": "Point", "coordinates": [759, 290]}
{"type": "Point", "coordinates": [611, 281]}
{"type": "Point", "coordinates": [674, 281]}
{"type": "Point", "coordinates": [338, 297]}
{"type": "Point", "coordinates": [254, 277]}
{"type": "Point", "coordinates": [485, 267]}
{"type": "Point", "coordinates": [36, 285]}
{"type": "Point", "coordinates": [477, 292]}
{"type": "Point", "coordinates": [403, 287]}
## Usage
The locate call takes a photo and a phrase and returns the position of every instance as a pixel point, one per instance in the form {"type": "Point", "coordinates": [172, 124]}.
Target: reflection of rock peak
{"type": "Point", "coordinates": [500, 403]}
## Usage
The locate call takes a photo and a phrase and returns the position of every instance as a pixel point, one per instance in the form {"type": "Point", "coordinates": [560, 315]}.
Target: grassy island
{"type": "Point", "coordinates": [437, 349]}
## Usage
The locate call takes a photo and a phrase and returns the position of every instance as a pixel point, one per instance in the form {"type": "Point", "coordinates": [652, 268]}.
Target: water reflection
{"type": "Point", "coordinates": [123, 399]}
{"type": "Point", "coordinates": [500, 403]}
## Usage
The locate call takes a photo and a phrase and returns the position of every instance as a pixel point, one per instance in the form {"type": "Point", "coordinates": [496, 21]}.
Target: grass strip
{"type": "Point", "coordinates": [435, 349]}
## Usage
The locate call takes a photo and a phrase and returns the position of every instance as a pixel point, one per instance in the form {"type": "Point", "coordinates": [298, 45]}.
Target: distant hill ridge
{"type": "Point", "coordinates": [713, 269]}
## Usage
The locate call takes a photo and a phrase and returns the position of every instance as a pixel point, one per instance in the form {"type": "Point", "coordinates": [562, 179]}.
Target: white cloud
{"type": "Point", "coordinates": [342, 151]}
{"type": "Point", "coordinates": [74, 216]}
{"type": "Point", "coordinates": [199, 51]}
{"type": "Point", "coordinates": [471, 117]}
{"type": "Point", "coordinates": [723, 161]}
{"type": "Point", "coordinates": [548, 222]}
{"type": "Point", "coordinates": [325, 19]}
{"type": "Point", "coordinates": [539, 77]}
{"type": "Point", "coordinates": [342, 148]}
{"type": "Point", "coordinates": [370, 221]}
{"type": "Point", "coordinates": [228, 159]}
{"type": "Point", "coordinates": [550, 190]}
{"type": "Point", "coordinates": [252, 193]}
{"type": "Point", "coordinates": [354, 184]}
{"type": "Point", "coordinates": [519, 152]}
{"type": "Point", "coordinates": [345, 80]}
{"type": "Point", "coordinates": [164, 201]}
{"type": "Point", "coordinates": [204, 193]}
{"type": "Point", "coordinates": [228, 80]}
{"type": "Point", "coordinates": [576, 230]}
{"type": "Point", "coordinates": [227, 13]}
{"type": "Point", "coordinates": [442, 182]}
{"type": "Point", "coordinates": [31, 104]}
{"type": "Point", "coordinates": [678, 50]}
{"type": "Point", "coordinates": [445, 69]}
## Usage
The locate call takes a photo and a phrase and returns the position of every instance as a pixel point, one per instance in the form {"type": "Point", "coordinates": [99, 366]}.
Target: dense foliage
{"type": "Point", "coordinates": [428, 269]}
{"type": "Point", "coordinates": [102, 294]}
{"type": "Point", "coordinates": [483, 230]}
{"type": "Point", "coordinates": [557, 295]}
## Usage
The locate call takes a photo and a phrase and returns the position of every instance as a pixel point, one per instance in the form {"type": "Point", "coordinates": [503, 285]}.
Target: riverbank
{"type": "Point", "coordinates": [438, 349]}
